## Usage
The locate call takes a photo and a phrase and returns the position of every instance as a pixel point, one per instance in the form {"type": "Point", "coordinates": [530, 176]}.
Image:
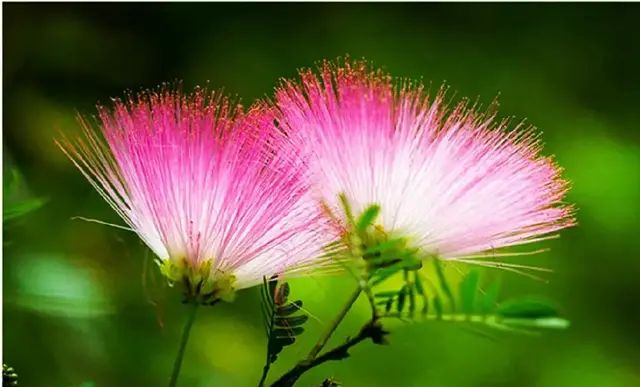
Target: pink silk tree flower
{"type": "Point", "coordinates": [455, 182]}
{"type": "Point", "coordinates": [211, 190]}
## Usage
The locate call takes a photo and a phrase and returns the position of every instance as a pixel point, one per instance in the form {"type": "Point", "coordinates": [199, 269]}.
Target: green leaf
{"type": "Point", "coordinates": [444, 285]}
{"type": "Point", "coordinates": [490, 298]}
{"type": "Point", "coordinates": [386, 294]}
{"type": "Point", "coordinates": [281, 296]}
{"type": "Point", "coordinates": [388, 245]}
{"type": "Point", "coordinates": [468, 290]}
{"type": "Point", "coordinates": [425, 308]}
{"type": "Point", "coordinates": [544, 323]}
{"type": "Point", "coordinates": [412, 299]}
{"type": "Point", "coordinates": [16, 210]}
{"type": "Point", "coordinates": [437, 306]}
{"type": "Point", "coordinates": [367, 218]}
{"type": "Point", "coordinates": [290, 308]}
{"type": "Point", "coordinates": [277, 344]}
{"type": "Point", "coordinates": [383, 262]}
{"type": "Point", "coordinates": [388, 305]}
{"type": "Point", "coordinates": [418, 283]}
{"type": "Point", "coordinates": [382, 275]}
{"type": "Point", "coordinates": [389, 264]}
{"type": "Point", "coordinates": [525, 316]}
{"type": "Point", "coordinates": [528, 308]}
{"type": "Point", "coordinates": [287, 332]}
{"type": "Point", "coordinates": [12, 181]}
{"type": "Point", "coordinates": [13, 208]}
{"type": "Point", "coordinates": [291, 321]}
{"type": "Point", "coordinates": [282, 325]}
{"type": "Point", "coordinates": [401, 300]}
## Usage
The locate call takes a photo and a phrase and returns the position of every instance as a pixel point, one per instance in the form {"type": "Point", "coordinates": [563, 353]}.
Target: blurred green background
{"type": "Point", "coordinates": [82, 309]}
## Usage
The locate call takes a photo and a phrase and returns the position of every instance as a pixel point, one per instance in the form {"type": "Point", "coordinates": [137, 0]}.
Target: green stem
{"type": "Point", "coordinates": [371, 330]}
{"type": "Point", "coordinates": [183, 344]}
{"type": "Point", "coordinates": [334, 324]}
{"type": "Point", "coordinates": [265, 372]}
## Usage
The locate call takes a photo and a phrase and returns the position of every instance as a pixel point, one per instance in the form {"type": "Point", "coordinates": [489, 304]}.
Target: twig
{"type": "Point", "coordinates": [371, 330]}
{"type": "Point", "coordinates": [334, 324]}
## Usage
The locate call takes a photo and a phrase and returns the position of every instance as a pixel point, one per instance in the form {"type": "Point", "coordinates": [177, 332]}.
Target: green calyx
{"type": "Point", "coordinates": [200, 283]}
{"type": "Point", "coordinates": [373, 248]}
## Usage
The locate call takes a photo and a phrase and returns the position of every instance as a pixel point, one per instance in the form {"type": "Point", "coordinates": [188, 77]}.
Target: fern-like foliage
{"type": "Point", "coordinates": [382, 255]}
{"type": "Point", "coordinates": [406, 300]}
{"type": "Point", "coordinates": [468, 305]}
{"type": "Point", "coordinates": [283, 319]}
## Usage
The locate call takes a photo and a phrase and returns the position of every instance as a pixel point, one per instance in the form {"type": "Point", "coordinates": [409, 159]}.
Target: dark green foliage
{"type": "Point", "coordinates": [437, 306]}
{"type": "Point", "coordinates": [468, 291]}
{"type": "Point", "coordinates": [393, 258]}
{"type": "Point", "coordinates": [530, 313]}
{"type": "Point", "coordinates": [516, 315]}
{"type": "Point", "coordinates": [21, 208]}
{"type": "Point", "coordinates": [13, 206]}
{"type": "Point", "coordinates": [444, 284]}
{"type": "Point", "coordinates": [9, 376]}
{"type": "Point", "coordinates": [420, 292]}
{"type": "Point", "coordinates": [489, 299]}
{"type": "Point", "coordinates": [401, 298]}
{"type": "Point", "coordinates": [282, 324]}
{"type": "Point", "coordinates": [385, 256]}
{"type": "Point", "coordinates": [404, 299]}
{"type": "Point", "coordinates": [526, 308]}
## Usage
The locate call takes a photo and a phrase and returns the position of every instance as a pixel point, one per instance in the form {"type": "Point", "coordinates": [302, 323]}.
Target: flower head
{"type": "Point", "coordinates": [455, 182]}
{"type": "Point", "coordinates": [208, 188]}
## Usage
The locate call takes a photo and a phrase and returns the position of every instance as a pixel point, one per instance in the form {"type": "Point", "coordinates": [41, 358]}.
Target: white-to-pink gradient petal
{"type": "Point", "coordinates": [456, 181]}
{"type": "Point", "coordinates": [198, 179]}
